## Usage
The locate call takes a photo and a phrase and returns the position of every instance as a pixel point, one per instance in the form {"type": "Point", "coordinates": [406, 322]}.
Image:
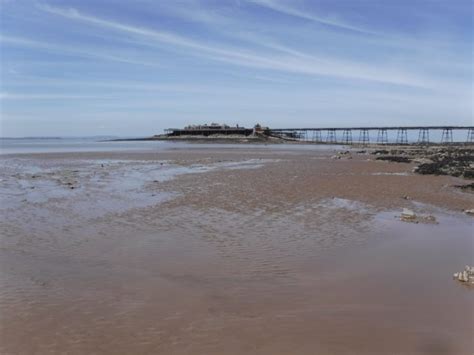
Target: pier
{"type": "Point", "coordinates": [378, 135]}
{"type": "Point", "coordinates": [399, 135]}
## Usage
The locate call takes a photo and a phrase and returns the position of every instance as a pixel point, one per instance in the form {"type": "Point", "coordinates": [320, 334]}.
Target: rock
{"type": "Point", "coordinates": [394, 158]}
{"type": "Point", "coordinates": [429, 219]}
{"type": "Point", "coordinates": [466, 187]}
{"type": "Point", "coordinates": [408, 215]}
{"type": "Point", "coordinates": [470, 212]}
{"type": "Point", "coordinates": [465, 276]}
{"type": "Point", "coordinates": [340, 155]}
{"type": "Point", "coordinates": [422, 161]}
{"type": "Point", "coordinates": [381, 152]}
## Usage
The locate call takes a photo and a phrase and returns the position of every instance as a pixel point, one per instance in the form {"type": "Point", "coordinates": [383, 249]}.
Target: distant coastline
{"type": "Point", "coordinates": [209, 139]}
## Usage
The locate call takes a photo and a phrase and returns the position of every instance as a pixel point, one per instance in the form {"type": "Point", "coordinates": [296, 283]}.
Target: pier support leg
{"type": "Point", "coordinates": [331, 137]}
{"type": "Point", "coordinates": [317, 136]}
{"type": "Point", "coordinates": [402, 136]}
{"type": "Point", "coordinates": [304, 135]}
{"type": "Point", "coordinates": [447, 136]}
{"type": "Point", "coordinates": [424, 136]}
{"type": "Point", "coordinates": [347, 136]}
{"type": "Point", "coordinates": [382, 136]}
{"type": "Point", "coordinates": [364, 136]}
{"type": "Point", "coordinates": [470, 135]}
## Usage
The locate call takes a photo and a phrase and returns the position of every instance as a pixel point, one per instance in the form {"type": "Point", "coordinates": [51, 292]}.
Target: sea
{"type": "Point", "coordinates": [29, 145]}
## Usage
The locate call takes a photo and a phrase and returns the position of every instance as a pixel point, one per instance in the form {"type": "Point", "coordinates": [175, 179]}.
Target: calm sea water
{"type": "Point", "coordinates": [45, 145]}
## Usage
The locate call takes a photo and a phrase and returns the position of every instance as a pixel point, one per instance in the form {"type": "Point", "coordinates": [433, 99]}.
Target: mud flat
{"type": "Point", "coordinates": [231, 251]}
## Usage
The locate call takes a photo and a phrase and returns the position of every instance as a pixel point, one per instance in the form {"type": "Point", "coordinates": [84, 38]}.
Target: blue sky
{"type": "Point", "coordinates": [133, 68]}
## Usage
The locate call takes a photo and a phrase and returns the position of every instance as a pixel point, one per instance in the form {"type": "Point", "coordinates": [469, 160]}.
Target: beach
{"type": "Point", "coordinates": [196, 249]}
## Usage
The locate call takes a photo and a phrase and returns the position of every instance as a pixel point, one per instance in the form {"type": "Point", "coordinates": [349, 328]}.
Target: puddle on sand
{"type": "Point", "coordinates": [108, 185]}
{"type": "Point", "coordinates": [342, 203]}
{"type": "Point", "coordinates": [391, 174]}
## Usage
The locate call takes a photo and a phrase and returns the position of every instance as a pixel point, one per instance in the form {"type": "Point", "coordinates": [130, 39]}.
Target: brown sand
{"type": "Point", "coordinates": [226, 251]}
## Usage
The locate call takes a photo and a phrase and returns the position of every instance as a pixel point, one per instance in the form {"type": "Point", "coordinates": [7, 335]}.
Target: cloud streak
{"type": "Point", "coordinates": [84, 52]}
{"type": "Point", "coordinates": [22, 96]}
{"type": "Point", "coordinates": [299, 64]}
{"type": "Point", "coordinates": [286, 9]}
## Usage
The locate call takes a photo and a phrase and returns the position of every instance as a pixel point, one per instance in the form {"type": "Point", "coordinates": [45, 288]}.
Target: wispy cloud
{"type": "Point", "coordinates": [304, 64]}
{"type": "Point", "coordinates": [22, 96]}
{"type": "Point", "coordinates": [111, 84]}
{"type": "Point", "coordinates": [84, 52]}
{"type": "Point", "coordinates": [287, 9]}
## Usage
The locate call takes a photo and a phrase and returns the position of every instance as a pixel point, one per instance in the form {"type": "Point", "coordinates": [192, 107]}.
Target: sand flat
{"type": "Point", "coordinates": [230, 251]}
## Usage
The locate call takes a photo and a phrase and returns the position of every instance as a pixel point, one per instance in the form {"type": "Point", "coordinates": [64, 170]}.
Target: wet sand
{"type": "Point", "coordinates": [230, 251]}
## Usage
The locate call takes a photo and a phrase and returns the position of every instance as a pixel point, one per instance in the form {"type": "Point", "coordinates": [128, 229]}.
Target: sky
{"type": "Point", "coordinates": [134, 68]}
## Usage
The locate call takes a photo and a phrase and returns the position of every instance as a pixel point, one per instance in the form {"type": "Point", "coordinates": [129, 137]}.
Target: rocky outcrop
{"type": "Point", "coordinates": [453, 161]}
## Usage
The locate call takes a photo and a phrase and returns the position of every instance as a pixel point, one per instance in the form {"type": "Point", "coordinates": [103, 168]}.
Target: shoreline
{"type": "Point", "coordinates": [278, 140]}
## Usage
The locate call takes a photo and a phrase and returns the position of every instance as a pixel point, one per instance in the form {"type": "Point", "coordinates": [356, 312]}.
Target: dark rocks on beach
{"type": "Point", "coordinates": [396, 159]}
{"type": "Point", "coordinates": [342, 155]}
{"type": "Point", "coordinates": [453, 161]}
{"type": "Point", "coordinates": [469, 173]}
{"type": "Point", "coordinates": [467, 187]}
{"type": "Point", "coordinates": [381, 152]}
{"type": "Point", "coordinates": [454, 166]}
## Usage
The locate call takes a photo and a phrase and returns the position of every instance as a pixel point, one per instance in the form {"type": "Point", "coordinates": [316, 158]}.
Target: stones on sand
{"type": "Point", "coordinates": [408, 215]}
{"type": "Point", "coordinates": [342, 155]}
{"type": "Point", "coordinates": [465, 276]}
{"type": "Point", "coordinates": [466, 187]}
{"type": "Point", "coordinates": [394, 158]}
